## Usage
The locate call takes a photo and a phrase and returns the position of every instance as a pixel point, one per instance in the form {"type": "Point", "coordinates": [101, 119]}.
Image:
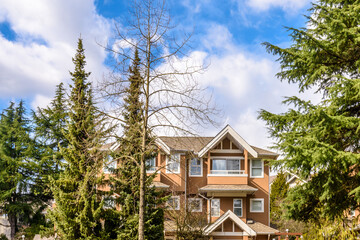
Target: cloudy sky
{"type": "Point", "coordinates": [38, 39]}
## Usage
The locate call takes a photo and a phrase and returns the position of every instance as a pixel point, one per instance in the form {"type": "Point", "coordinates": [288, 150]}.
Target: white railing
{"type": "Point", "coordinates": [227, 172]}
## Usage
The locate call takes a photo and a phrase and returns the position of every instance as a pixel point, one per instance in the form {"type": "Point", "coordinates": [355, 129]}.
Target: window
{"type": "Point", "coordinates": [237, 204]}
{"type": "Point", "coordinates": [151, 165]}
{"type": "Point", "coordinates": [109, 165]}
{"type": "Point", "coordinates": [226, 166]}
{"type": "Point", "coordinates": [109, 202]}
{"type": "Point", "coordinates": [195, 204]}
{"type": "Point", "coordinates": [196, 167]}
{"type": "Point", "coordinates": [174, 203]}
{"type": "Point", "coordinates": [257, 168]}
{"type": "Point", "coordinates": [257, 205]}
{"type": "Point", "coordinates": [215, 207]}
{"type": "Point", "coordinates": [173, 163]}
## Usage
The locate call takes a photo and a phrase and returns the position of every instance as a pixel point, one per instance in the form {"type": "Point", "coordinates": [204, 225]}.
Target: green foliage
{"type": "Point", "coordinates": [126, 178]}
{"type": "Point", "coordinates": [322, 142]}
{"type": "Point", "coordinates": [279, 190]}
{"type": "Point", "coordinates": [3, 237]}
{"type": "Point", "coordinates": [19, 195]}
{"type": "Point", "coordinates": [78, 211]}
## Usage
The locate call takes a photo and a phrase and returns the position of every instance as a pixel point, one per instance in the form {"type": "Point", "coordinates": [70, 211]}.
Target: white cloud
{"type": "Point", "coordinates": [286, 5]}
{"type": "Point", "coordinates": [47, 33]}
{"type": "Point", "coordinates": [243, 83]}
{"type": "Point", "coordinates": [41, 101]}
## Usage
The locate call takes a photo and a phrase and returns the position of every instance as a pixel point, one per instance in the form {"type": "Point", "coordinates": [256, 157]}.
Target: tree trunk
{"type": "Point", "coordinates": [142, 199]}
{"type": "Point", "coordinates": [13, 222]}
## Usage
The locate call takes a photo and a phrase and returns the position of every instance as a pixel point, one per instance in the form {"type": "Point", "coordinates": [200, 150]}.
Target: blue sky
{"type": "Point", "coordinates": [38, 40]}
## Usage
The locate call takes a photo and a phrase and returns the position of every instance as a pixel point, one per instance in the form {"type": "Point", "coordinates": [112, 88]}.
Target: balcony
{"type": "Point", "coordinates": [217, 173]}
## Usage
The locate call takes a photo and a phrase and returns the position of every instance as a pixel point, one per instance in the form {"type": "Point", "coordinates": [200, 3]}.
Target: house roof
{"type": "Point", "coordinates": [186, 143]}
{"type": "Point", "coordinates": [260, 228]}
{"type": "Point", "coordinates": [228, 188]}
{"type": "Point", "coordinates": [230, 215]}
{"type": "Point", "coordinates": [159, 185]}
{"type": "Point", "coordinates": [250, 229]}
{"type": "Point", "coordinates": [201, 145]}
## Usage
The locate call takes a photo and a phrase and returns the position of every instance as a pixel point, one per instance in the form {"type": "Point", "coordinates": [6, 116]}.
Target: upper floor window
{"type": "Point", "coordinates": [215, 207]}
{"type": "Point", "coordinates": [221, 166]}
{"type": "Point", "coordinates": [237, 205]}
{"type": "Point", "coordinates": [257, 205]}
{"type": "Point", "coordinates": [257, 168]}
{"type": "Point", "coordinates": [174, 203]}
{"type": "Point", "coordinates": [195, 204]}
{"type": "Point", "coordinates": [109, 165]}
{"type": "Point", "coordinates": [151, 165]}
{"type": "Point", "coordinates": [196, 167]}
{"type": "Point", "coordinates": [109, 202]}
{"type": "Point", "coordinates": [173, 163]}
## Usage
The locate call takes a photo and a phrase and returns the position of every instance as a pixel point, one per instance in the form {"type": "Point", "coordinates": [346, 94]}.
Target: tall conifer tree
{"type": "Point", "coordinates": [17, 167]}
{"type": "Point", "coordinates": [127, 175]}
{"type": "Point", "coordinates": [77, 211]}
{"type": "Point", "coordinates": [321, 142]}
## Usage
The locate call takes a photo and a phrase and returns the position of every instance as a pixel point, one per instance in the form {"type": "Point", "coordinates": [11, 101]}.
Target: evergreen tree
{"type": "Point", "coordinates": [127, 175]}
{"type": "Point", "coordinates": [77, 211]}
{"type": "Point", "coordinates": [322, 142]}
{"type": "Point", "coordinates": [50, 128]}
{"type": "Point", "coordinates": [279, 190]}
{"type": "Point", "coordinates": [17, 165]}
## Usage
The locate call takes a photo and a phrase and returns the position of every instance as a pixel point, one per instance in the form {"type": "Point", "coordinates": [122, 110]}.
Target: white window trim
{"type": "Point", "coordinates": [201, 204]}
{"type": "Point", "coordinates": [170, 207]}
{"type": "Point", "coordinates": [262, 205]}
{"type": "Point", "coordinates": [212, 207]}
{"type": "Point", "coordinates": [201, 171]}
{"type": "Point", "coordinates": [152, 171]}
{"type": "Point", "coordinates": [167, 163]}
{"type": "Point", "coordinates": [262, 168]}
{"type": "Point", "coordinates": [242, 206]}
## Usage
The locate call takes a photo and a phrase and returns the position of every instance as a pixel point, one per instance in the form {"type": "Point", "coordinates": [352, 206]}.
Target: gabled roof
{"type": "Point", "coordinates": [201, 145]}
{"type": "Point", "coordinates": [194, 144]}
{"type": "Point", "coordinates": [230, 215]}
{"type": "Point", "coordinates": [228, 130]}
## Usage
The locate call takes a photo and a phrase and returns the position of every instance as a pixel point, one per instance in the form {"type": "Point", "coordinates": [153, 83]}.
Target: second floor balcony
{"type": "Point", "coordinates": [227, 167]}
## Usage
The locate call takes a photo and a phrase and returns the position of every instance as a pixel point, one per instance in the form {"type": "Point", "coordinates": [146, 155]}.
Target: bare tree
{"type": "Point", "coordinates": [171, 96]}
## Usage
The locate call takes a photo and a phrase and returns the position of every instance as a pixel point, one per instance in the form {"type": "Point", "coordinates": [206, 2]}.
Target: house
{"type": "Point", "coordinates": [223, 176]}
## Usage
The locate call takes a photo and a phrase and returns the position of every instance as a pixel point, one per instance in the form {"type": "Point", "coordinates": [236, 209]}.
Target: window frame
{"type": "Point", "coordinates": [201, 167]}
{"type": "Point", "coordinates": [171, 207]}
{"type": "Point", "coordinates": [211, 207]}
{"type": "Point", "coordinates": [155, 167]}
{"type": "Point", "coordinates": [262, 168]}
{"type": "Point", "coordinates": [196, 199]}
{"type": "Point", "coordinates": [107, 162]}
{"type": "Point", "coordinates": [169, 157]}
{"type": "Point", "coordinates": [235, 199]}
{"type": "Point", "coordinates": [262, 205]}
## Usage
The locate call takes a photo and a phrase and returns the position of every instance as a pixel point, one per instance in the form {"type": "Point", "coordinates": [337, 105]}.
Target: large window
{"type": "Point", "coordinates": [151, 165]}
{"type": "Point", "coordinates": [196, 167]}
{"type": "Point", "coordinates": [195, 204]}
{"type": "Point", "coordinates": [174, 203]}
{"type": "Point", "coordinates": [237, 204]}
{"type": "Point", "coordinates": [226, 166]}
{"type": "Point", "coordinates": [109, 165]}
{"type": "Point", "coordinates": [215, 207]}
{"type": "Point", "coordinates": [173, 163]}
{"type": "Point", "coordinates": [257, 168]}
{"type": "Point", "coordinates": [257, 205]}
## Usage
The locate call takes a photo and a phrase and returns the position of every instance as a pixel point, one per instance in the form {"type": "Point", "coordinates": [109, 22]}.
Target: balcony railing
{"type": "Point", "coordinates": [227, 172]}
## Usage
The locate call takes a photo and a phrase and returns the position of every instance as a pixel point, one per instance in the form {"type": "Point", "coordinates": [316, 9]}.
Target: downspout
{"type": "Point", "coordinates": [209, 204]}
{"type": "Point", "coordinates": [186, 178]}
